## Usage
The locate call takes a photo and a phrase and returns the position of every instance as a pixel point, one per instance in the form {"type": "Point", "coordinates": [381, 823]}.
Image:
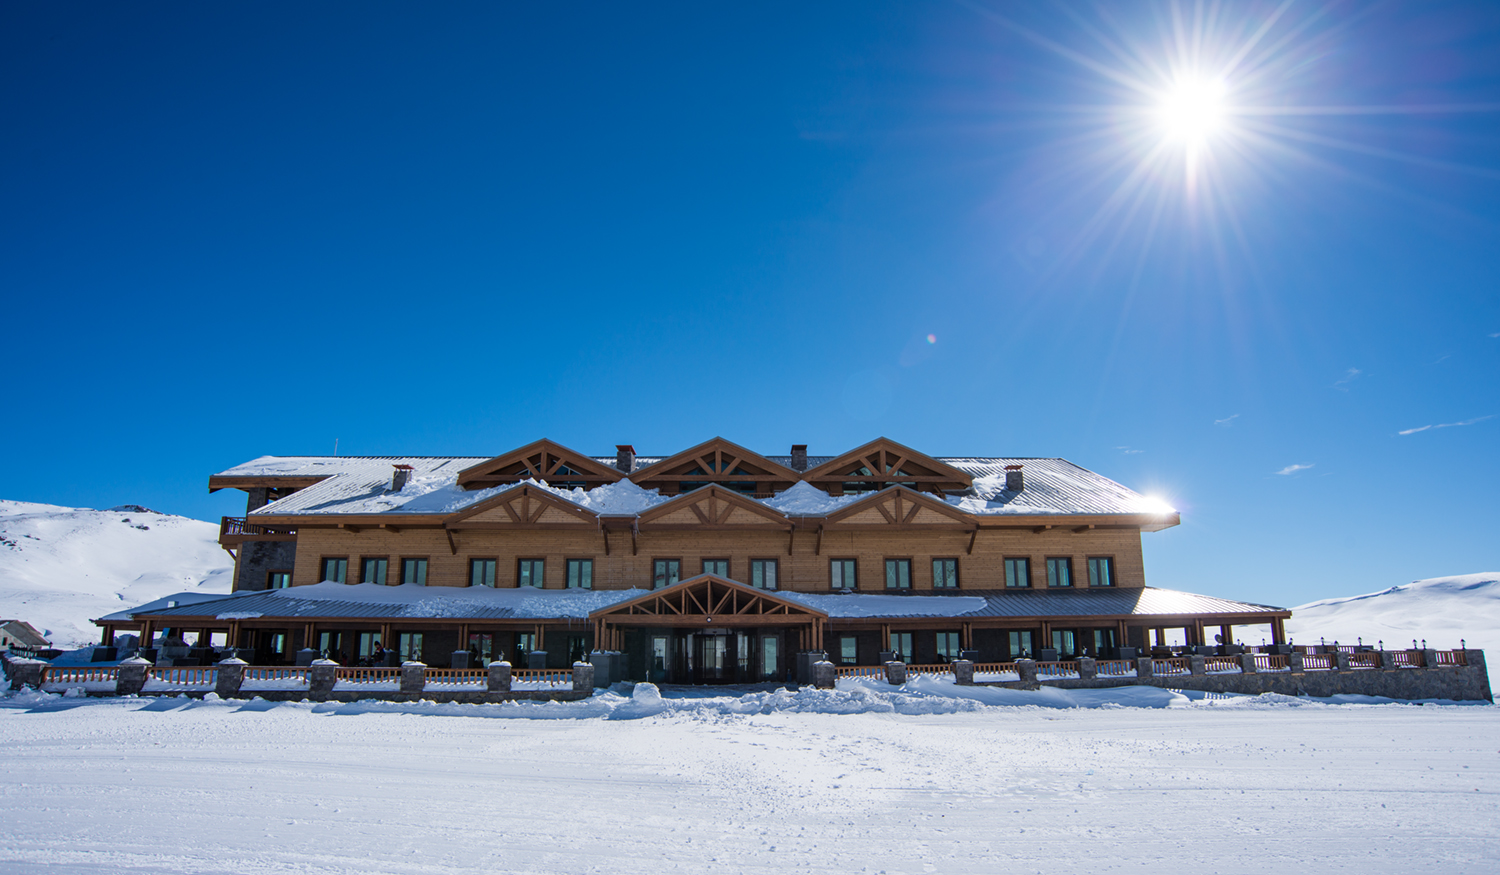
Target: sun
{"type": "Point", "coordinates": [1194, 110]}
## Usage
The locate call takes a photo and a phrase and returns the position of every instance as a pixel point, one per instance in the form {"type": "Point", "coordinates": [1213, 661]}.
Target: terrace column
{"type": "Point", "coordinates": [413, 677]}
{"type": "Point", "coordinates": [963, 672]}
{"type": "Point", "coordinates": [1340, 660]}
{"type": "Point", "coordinates": [1197, 664]}
{"type": "Point", "coordinates": [498, 678]}
{"type": "Point", "coordinates": [895, 673]}
{"type": "Point", "coordinates": [1278, 631]}
{"type": "Point", "coordinates": [230, 676]}
{"type": "Point", "coordinates": [823, 675]}
{"type": "Point", "coordinates": [132, 677]}
{"type": "Point", "coordinates": [1145, 667]}
{"type": "Point", "coordinates": [1247, 663]}
{"type": "Point", "coordinates": [583, 678]}
{"type": "Point", "coordinates": [1088, 669]}
{"type": "Point", "coordinates": [1026, 669]}
{"type": "Point", "coordinates": [1294, 662]}
{"type": "Point", "coordinates": [321, 678]}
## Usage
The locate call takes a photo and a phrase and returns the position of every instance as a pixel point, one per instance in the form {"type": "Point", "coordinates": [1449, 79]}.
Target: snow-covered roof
{"type": "Point", "coordinates": [482, 602]}
{"type": "Point", "coordinates": [179, 599]}
{"type": "Point", "coordinates": [361, 485]}
{"type": "Point", "coordinates": [408, 600]}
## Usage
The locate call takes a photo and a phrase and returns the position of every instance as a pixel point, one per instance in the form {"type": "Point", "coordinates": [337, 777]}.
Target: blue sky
{"type": "Point", "coordinates": [237, 229]}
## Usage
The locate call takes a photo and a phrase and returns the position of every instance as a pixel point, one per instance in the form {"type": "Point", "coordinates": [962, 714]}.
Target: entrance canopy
{"type": "Point", "coordinates": [709, 601]}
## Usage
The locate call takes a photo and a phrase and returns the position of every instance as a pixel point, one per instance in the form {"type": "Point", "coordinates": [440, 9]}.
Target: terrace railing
{"type": "Point", "coordinates": [183, 676]}
{"type": "Point", "coordinates": [1450, 657]}
{"type": "Point", "coordinates": [80, 675]}
{"type": "Point", "coordinates": [1271, 662]}
{"type": "Point", "coordinates": [1115, 668]}
{"type": "Point", "coordinates": [1364, 659]}
{"type": "Point", "coordinates": [1221, 664]}
{"type": "Point", "coordinates": [457, 677]}
{"type": "Point", "coordinates": [991, 668]}
{"type": "Point", "coordinates": [1175, 665]}
{"type": "Point", "coordinates": [264, 677]}
{"type": "Point", "coordinates": [234, 530]}
{"type": "Point", "coordinates": [1409, 659]}
{"type": "Point", "coordinates": [551, 677]}
{"type": "Point", "coordinates": [352, 675]}
{"type": "Point", "coordinates": [1318, 662]}
{"type": "Point", "coordinates": [859, 671]}
{"type": "Point", "coordinates": [1066, 669]}
{"type": "Point", "coordinates": [935, 670]}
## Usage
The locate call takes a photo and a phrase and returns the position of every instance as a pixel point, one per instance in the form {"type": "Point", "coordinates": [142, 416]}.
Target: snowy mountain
{"type": "Point", "coordinates": [1443, 610]}
{"type": "Point", "coordinates": [60, 567]}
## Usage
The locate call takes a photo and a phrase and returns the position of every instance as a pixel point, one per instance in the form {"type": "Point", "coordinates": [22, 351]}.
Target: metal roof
{"type": "Point", "coordinates": [1122, 601]}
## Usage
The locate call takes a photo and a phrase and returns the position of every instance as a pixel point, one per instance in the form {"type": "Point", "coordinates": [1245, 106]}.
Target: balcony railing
{"type": "Point", "coordinates": [236, 530]}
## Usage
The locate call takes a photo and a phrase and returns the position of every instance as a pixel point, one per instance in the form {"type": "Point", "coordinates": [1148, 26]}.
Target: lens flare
{"type": "Point", "coordinates": [1194, 110]}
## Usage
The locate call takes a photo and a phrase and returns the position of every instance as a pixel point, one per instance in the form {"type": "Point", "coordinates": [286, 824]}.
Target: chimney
{"type": "Point", "coordinates": [399, 477]}
{"type": "Point", "coordinates": [624, 457]}
{"type": "Point", "coordinates": [1013, 479]}
{"type": "Point", "coordinates": [799, 457]}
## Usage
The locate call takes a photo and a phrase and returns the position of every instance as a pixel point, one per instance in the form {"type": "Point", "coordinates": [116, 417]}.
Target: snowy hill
{"type": "Point", "coordinates": [60, 567]}
{"type": "Point", "coordinates": [1442, 610]}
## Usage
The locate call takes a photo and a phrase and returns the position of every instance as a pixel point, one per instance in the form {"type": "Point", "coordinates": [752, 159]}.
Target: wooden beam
{"type": "Point", "coordinates": [1078, 529]}
{"type": "Point", "coordinates": [452, 545]}
{"type": "Point", "coordinates": [818, 550]}
{"type": "Point", "coordinates": [1037, 530]}
{"type": "Point", "coordinates": [972, 536]}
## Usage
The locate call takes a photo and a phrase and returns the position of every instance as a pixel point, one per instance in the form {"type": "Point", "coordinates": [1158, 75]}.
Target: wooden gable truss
{"type": "Point", "coordinates": [882, 463]}
{"type": "Point", "coordinates": [711, 508]}
{"type": "Point", "coordinates": [524, 506]}
{"type": "Point", "coordinates": [898, 508]}
{"type": "Point", "coordinates": [704, 602]}
{"type": "Point", "coordinates": [542, 460]}
{"type": "Point", "coordinates": [717, 461]}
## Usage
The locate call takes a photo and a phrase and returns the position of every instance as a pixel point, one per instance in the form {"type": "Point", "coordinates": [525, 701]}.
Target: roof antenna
{"type": "Point", "coordinates": [335, 448]}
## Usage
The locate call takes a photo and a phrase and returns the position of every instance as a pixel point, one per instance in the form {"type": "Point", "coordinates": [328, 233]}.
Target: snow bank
{"type": "Point", "coordinates": [805, 499]}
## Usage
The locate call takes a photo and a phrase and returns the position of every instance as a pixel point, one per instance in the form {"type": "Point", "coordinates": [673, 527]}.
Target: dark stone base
{"type": "Point", "coordinates": [466, 698]}
{"type": "Point", "coordinates": [1460, 684]}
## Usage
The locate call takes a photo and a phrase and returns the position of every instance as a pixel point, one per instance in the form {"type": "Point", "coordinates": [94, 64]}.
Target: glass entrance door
{"type": "Point", "coordinates": [710, 663]}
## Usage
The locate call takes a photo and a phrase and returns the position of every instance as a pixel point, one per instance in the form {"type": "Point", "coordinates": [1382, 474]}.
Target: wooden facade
{"type": "Point", "coordinates": [709, 539]}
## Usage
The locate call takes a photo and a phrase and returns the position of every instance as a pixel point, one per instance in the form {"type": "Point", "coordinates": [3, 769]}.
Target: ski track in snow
{"type": "Point", "coordinates": [1245, 784]}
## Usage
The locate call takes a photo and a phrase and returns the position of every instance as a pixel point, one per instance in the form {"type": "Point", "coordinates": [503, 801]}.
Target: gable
{"type": "Point", "coordinates": [900, 506]}
{"type": "Point", "coordinates": [713, 507]}
{"type": "Point", "coordinates": [716, 461]}
{"type": "Point", "coordinates": [882, 463]}
{"type": "Point", "coordinates": [708, 595]}
{"type": "Point", "coordinates": [542, 460]}
{"type": "Point", "coordinates": [522, 506]}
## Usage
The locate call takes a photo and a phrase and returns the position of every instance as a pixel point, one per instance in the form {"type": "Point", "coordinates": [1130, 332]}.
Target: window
{"type": "Point", "coordinates": [716, 566]}
{"type": "Point", "coordinates": [414, 571]}
{"type": "Point", "coordinates": [1101, 571]}
{"type": "Point", "coordinates": [763, 573]}
{"type": "Point", "coordinates": [901, 646]}
{"type": "Point", "coordinates": [410, 646]}
{"type": "Point", "coordinates": [335, 570]}
{"type": "Point", "coordinates": [665, 572]}
{"type": "Point", "coordinates": [1059, 572]}
{"type": "Point", "coordinates": [530, 572]}
{"type": "Point", "coordinates": [1065, 642]}
{"type": "Point", "coordinates": [580, 574]}
{"type": "Point", "coordinates": [947, 646]}
{"type": "Point", "coordinates": [481, 572]}
{"type": "Point", "coordinates": [944, 573]}
{"type": "Point", "coordinates": [278, 580]}
{"type": "Point", "coordinates": [373, 571]}
{"type": "Point", "coordinates": [898, 574]}
{"type": "Point", "coordinates": [841, 574]}
{"type": "Point", "coordinates": [849, 650]}
{"type": "Point", "coordinates": [1017, 573]}
{"type": "Point", "coordinates": [1020, 644]}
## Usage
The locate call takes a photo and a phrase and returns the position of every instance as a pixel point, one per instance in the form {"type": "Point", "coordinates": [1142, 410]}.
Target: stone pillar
{"type": "Point", "coordinates": [321, 678]}
{"type": "Point", "coordinates": [413, 677]}
{"type": "Point", "coordinates": [1388, 660]}
{"type": "Point", "coordinates": [498, 680]}
{"type": "Point", "coordinates": [895, 673]}
{"type": "Point", "coordinates": [1475, 659]}
{"type": "Point", "coordinates": [1247, 663]}
{"type": "Point", "coordinates": [1145, 667]}
{"type": "Point", "coordinates": [823, 675]}
{"type": "Point", "coordinates": [963, 672]}
{"type": "Point", "coordinates": [1088, 669]}
{"type": "Point", "coordinates": [583, 678]}
{"type": "Point", "coordinates": [1026, 668]}
{"type": "Point", "coordinates": [1429, 659]}
{"type": "Point", "coordinates": [1294, 662]}
{"type": "Point", "coordinates": [231, 676]}
{"type": "Point", "coordinates": [25, 673]}
{"type": "Point", "coordinates": [132, 677]}
{"type": "Point", "coordinates": [1196, 664]}
{"type": "Point", "coordinates": [1340, 661]}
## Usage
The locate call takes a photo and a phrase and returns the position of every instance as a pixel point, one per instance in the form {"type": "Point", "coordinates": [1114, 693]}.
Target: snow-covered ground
{"type": "Point", "coordinates": [61, 567]}
{"type": "Point", "coordinates": [862, 779]}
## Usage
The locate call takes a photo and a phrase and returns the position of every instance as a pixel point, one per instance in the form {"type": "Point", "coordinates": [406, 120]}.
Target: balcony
{"type": "Point", "coordinates": [234, 531]}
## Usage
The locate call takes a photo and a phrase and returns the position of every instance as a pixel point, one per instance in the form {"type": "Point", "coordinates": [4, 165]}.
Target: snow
{"type": "Point", "coordinates": [805, 499]}
{"type": "Point", "coordinates": [61, 567]}
{"type": "Point", "coordinates": [865, 605]}
{"type": "Point", "coordinates": [461, 601]}
{"type": "Point", "coordinates": [930, 778]}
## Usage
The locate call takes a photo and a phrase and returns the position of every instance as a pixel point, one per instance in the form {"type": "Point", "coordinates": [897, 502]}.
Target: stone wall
{"type": "Point", "coordinates": [258, 559]}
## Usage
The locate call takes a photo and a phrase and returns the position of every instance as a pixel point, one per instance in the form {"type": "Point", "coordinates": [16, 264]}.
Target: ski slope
{"type": "Point", "coordinates": [61, 567]}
